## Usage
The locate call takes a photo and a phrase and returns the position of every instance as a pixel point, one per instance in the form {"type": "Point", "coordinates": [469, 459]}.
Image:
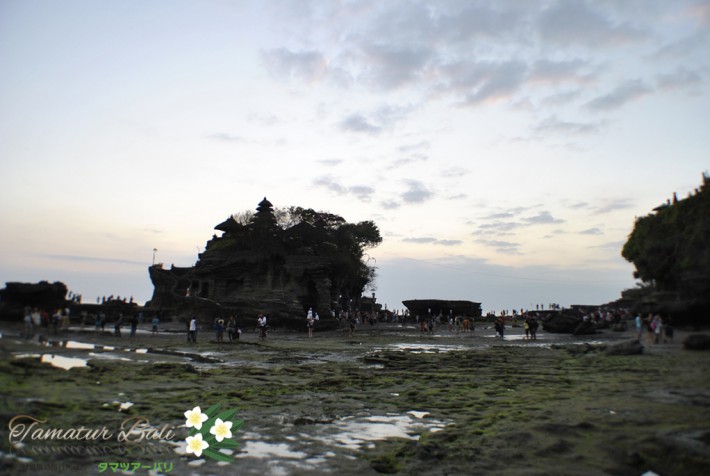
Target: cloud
{"type": "Point", "coordinates": [555, 233]}
{"type": "Point", "coordinates": [683, 47]}
{"type": "Point", "coordinates": [283, 63]}
{"type": "Point", "coordinates": [432, 241]}
{"type": "Point", "coordinates": [94, 259]}
{"type": "Point", "coordinates": [477, 82]}
{"type": "Point", "coordinates": [408, 160]}
{"type": "Point", "coordinates": [556, 72]}
{"type": "Point", "coordinates": [458, 196]}
{"type": "Point", "coordinates": [503, 247]}
{"type": "Point", "coordinates": [612, 245]}
{"type": "Point", "coordinates": [419, 147]}
{"type": "Point", "coordinates": [358, 123]}
{"type": "Point", "coordinates": [509, 213]}
{"type": "Point", "coordinates": [390, 204]}
{"type": "Point", "coordinates": [542, 218]}
{"type": "Point", "coordinates": [575, 22]}
{"type": "Point", "coordinates": [390, 66]}
{"type": "Point", "coordinates": [622, 94]}
{"type": "Point", "coordinates": [454, 172]}
{"type": "Point", "coordinates": [562, 97]}
{"type": "Point", "coordinates": [498, 227]}
{"type": "Point", "coordinates": [613, 205]}
{"type": "Point", "coordinates": [222, 136]}
{"type": "Point", "coordinates": [591, 231]}
{"type": "Point", "coordinates": [330, 162]}
{"type": "Point", "coordinates": [681, 78]}
{"type": "Point", "coordinates": [361, 192]}
{"type": "Point", "coordinates": [382, 118]}
{"type": "Point", "coordinates": [416, 192]}
{"type": "Point", "coordinates": [554, 125]}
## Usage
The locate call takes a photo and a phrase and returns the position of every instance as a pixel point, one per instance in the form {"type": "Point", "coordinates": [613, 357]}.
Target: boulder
{"type": "Point", "coordinates": [629, 347]}
{"type": "Point", "coordinates": [585, 328]}
{"type": "Point", "coordinates": [697, 342]}
{"type": "Point", "coordinates": [560, 323]}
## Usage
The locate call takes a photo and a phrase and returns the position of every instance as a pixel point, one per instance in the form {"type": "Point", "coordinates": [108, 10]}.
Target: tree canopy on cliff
{"type": "Point", "coordinates": [670, 248]}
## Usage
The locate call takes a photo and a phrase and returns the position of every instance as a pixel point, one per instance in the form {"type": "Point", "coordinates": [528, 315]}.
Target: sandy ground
{"type": "Point", "coordinates": [387, 400]}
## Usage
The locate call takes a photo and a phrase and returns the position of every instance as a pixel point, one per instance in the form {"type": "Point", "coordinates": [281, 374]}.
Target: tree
{"type": "Point", "coordinates": [670, 248]}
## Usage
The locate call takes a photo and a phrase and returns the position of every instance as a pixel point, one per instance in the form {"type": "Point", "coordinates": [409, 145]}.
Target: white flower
{"type": "Point", "coordinates": [221, 429]}
{"type": "Point", "coordinates": [195, 418]}
{"type": "Point", "coordinates": [195, 444]}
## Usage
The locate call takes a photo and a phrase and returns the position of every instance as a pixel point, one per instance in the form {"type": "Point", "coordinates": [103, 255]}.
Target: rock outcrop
{"type": "Point", "coordinates": [264, 267]}
{"type": "Point", "coordinates": [43, 295]}
{"type": "Point", "coordinates": [697, 342]}
{"type": "Point", "coordinates": [423, 307]}
{"type": "Point", "coordinates": [561, 322]}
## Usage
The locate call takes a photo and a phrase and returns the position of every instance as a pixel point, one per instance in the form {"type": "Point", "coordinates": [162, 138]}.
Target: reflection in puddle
{"type": "Point", "coordinates": [353, 432]}
{"type": "Point", "coordinates": [70, 344]}
{"type": "Point", "coordinates": [65, 363]}
{"type": "Point", "coordinates": [426, 348]}
{"type": "Point", "coordinates": [321, 443]}
{"type": "Point", "coordinates": [261, 449]}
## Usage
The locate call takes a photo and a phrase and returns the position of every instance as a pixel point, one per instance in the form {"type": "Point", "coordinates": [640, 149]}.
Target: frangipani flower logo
{"type": "Point", "coordinates": [221, 429]}
{"type": "Point", "coordinates": [195, 418]}
{"type": "Point", "coordinates": [211, 432]}
{"type": "Point", "coordinates": [195, 444]}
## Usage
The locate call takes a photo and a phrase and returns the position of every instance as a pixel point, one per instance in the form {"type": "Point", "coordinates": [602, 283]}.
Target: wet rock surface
{"type": "Point", "coordinates": [697, 342]}
{"type": "Point", "coordinates": [388, 400]}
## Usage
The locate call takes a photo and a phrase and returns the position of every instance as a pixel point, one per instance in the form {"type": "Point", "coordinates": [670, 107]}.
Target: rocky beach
{"type": "Point", "coordinates": [386, 400]}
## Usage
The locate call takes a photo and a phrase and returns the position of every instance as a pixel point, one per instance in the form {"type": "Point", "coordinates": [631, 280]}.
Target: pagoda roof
{"type": "Point", "coordinates": [230, 224]}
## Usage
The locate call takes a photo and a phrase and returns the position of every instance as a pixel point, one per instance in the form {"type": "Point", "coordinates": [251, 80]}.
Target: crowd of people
{"type": "Point", "coordinates": [652, 329]}
{"type": "Point", "coordinates": [656, 328]}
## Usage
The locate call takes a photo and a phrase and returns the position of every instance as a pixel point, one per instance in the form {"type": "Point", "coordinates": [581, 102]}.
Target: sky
{"type": "Point", "coordinates": [504, 149]}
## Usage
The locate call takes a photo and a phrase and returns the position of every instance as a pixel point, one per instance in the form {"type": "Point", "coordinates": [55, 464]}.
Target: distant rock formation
{"type": "Point", "coordinates": [424, 307]}
{"type": "Point", "coordinates": [263, 266]}
{"type": "Point", "coordinates": [43, 295]}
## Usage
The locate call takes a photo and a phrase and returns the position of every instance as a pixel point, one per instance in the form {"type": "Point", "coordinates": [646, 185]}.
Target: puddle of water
{"type": "Point", "coordinates": [71, 344]}
{"type": "Point", "coordinates": [511, 337]}
{"type": "Point", "coordinates": [427, 348]}
{"type": "Point", "coordinates": [354, 432]}
{"type": "Point", "coordinates": [65, 363]}
{"type": "Point", "coordinates": [110, 357]}
{"type": "Point", "coordinates": [315, 445]}
{"type": "Point", "coordinates": [261, 449]}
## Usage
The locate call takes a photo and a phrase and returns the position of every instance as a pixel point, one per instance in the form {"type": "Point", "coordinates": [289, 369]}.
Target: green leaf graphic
{"type": "Point", "coordinates": [217, 455]}
{"type": "Point", "coordinates": [211, 411]}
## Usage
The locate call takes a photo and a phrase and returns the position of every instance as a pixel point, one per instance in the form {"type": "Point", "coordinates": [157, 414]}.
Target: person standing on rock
{"type": "Point", "coordinates": [117, 325]}
{"type": "Point", "coordinates": [639, 326]}
{"type": "Point", "coordinates": [219, 328]}
{"type": "Point", "coordinates": [533, 327]}
{"type": "Point", "coordinates": [500, 327]}
{"type": "Point", "coordinates": [29, 327]}
{"type": "Point", "coordinates": [192, 330]}
{"type": "Point", "coordinates": [657, 326]}
{"type": "Point", "coordinates": [310, 322]}
{"type": "Point", "coordinates": [261, 323]}
{"type": "Point", "coordinates": [155, 322]}
{"type": "Point", "coordinates": [231, 328]}
{"type": "Point", "coordinates": [134, 325]}
{"type": "Point", "coordinates": [353, 322]}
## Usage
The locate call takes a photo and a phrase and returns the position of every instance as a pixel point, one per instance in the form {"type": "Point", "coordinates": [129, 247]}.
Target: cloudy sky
{"type": "Point", "coordinates": [503, 148]}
